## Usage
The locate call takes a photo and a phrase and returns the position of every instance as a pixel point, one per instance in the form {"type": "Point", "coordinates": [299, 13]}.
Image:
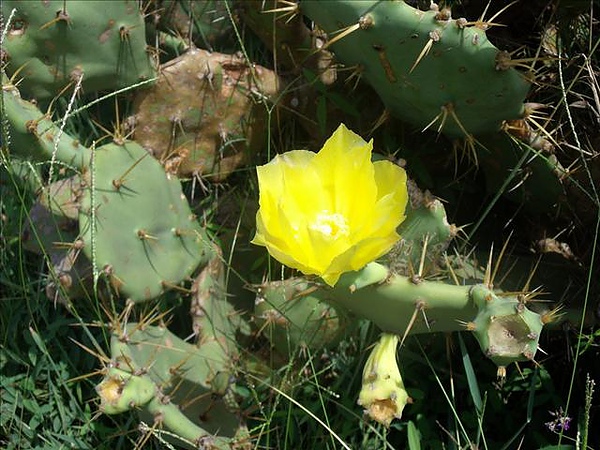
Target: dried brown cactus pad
{"type": "Point", "coordinates": [206, 115]}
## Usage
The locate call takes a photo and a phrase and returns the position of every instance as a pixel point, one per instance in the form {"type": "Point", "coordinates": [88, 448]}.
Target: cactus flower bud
{"type": "Point", "coordinates": [383, 395]}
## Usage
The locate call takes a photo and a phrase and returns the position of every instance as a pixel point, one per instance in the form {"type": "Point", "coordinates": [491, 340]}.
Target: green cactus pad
{"type": "Point", "coordinates": [54, 43]}
{"type": "Point", "coordinates": [34, 136]}
{"type": "Point", "coordinates": [505, 328]}
{"type": "Point", "coordinates": [213, 314]}
{"type": "Point", "coordinates": [177, 386]}
{"type": "Point", "coordinates": [291, 320]}
{"type": "Point", "coordinates": [121, 187]}
{"type": "Point", "coordinates": [425, 230]}
{"type": "Point", "coordinates": [137, 226]}
{"type": "Point", "coordinates": [429, 69]}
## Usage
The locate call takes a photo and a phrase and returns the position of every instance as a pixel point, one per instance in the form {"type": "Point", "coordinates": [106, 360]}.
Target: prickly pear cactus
{"type": "Point", "coordinates": [400, 301]}
{"type": "Point", "coordinates": [115, 228]}
{"type": "Point", "coordinates": [506, 330]}
{"type": "Point", "coordinates": [122, 187]}
{"type": "Point", "coordinates": [429, 69]}
{"type": "Point", "coordinates": [405, 305]}
{"type": "Point", "coordinates": [53, 44]}
{"type": "Point", "coordinates": [122, 220]}
{"type": "Point", "coordinates": [181, 388]}
{"type": "Point", "coordinates": [206, 115]}
{"type": "Point", "coordinates": [289, 319]}
{"type": "Point", "coordinates": [426, 234]}
{"type": "Point", "coordinates": [33, 135]}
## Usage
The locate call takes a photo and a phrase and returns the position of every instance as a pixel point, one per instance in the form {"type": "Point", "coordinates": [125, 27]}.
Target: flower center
{"type": "Point", "coordinates": [331, 225]}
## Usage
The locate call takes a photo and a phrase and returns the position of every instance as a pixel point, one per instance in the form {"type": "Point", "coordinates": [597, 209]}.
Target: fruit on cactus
{"type": "Point", "coordinates": [382, 394]}
{"type": "Point", "coordinates": [331, 212]}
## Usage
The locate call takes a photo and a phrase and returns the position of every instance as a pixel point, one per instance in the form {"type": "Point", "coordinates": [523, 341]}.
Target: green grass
{"type": "Point", "coordinates": [51, 357]}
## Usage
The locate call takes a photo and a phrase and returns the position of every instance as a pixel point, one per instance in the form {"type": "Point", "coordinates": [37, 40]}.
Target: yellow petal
{"type": "Point", "coordinates": [344, 164]}
{"type": "Point", "coordinates": [362, 253]}
{"type": "Point", "coordinates": [284, 244]}
{"type": "Point", "coordinates": [392, 197]}
{"type": "Point", "coordinates": [287, 178]}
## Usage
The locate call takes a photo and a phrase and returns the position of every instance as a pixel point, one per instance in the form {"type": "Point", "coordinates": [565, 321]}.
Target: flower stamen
{"type": "Point", "coordinates": [331, 225]}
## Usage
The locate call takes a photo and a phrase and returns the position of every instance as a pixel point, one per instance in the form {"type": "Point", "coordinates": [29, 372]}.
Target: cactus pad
{"type": "Point", "coordinates": [204, 115]}
{"type": "Point", "coordinates": [34, 136]}
{"type": "Point", "coordinates": [174, 382]}
{"type": "Point", "coordinates": [429, 69]}
{"type": "Point", "coordinates": [54, 43]}
{"type": "Point", "coordinates": [507, 331]}
{"type": "Point", "coordinates": [136, 223]}
{"type": "Point", "coordinates": [291, 319]}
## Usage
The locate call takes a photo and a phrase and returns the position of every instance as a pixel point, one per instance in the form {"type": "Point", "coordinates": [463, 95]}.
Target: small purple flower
{"type": "Point", "coordinates": [560, 423]}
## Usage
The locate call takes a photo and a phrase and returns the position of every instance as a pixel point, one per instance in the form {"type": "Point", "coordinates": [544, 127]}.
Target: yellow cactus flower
{"type": "Point", "coordinates": [331, 212]}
